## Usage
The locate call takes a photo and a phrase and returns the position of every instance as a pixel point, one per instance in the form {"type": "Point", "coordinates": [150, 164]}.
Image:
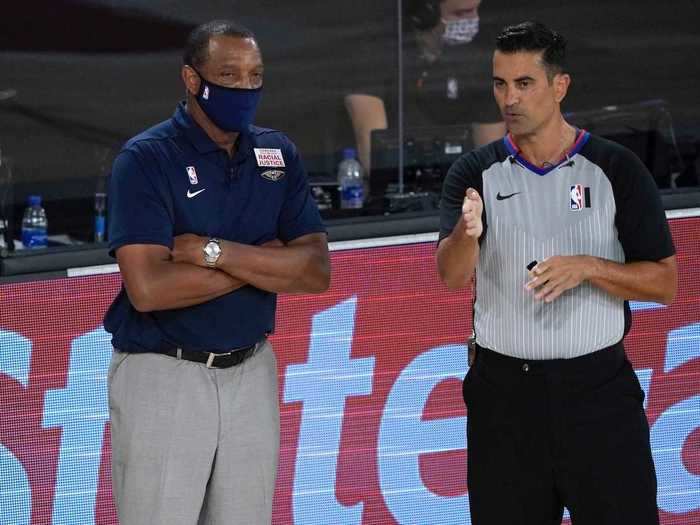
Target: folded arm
{"type": "Point", "coordinates": [300, 266]}
{"type": "Point", "coordinates": [154, 281]}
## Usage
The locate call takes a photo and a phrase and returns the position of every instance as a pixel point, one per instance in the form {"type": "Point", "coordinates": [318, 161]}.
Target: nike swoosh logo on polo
{"type": "Point", "coordinates": [191, 194]}
{"type": "Point", "coordinates": [500, 197]}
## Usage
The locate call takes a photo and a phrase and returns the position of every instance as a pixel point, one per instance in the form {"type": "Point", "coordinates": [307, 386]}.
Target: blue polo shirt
{"type": "Point", "coordinates": [173, 179]}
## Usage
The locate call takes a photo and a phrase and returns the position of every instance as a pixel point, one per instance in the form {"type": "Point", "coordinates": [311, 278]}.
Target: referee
{"type": "Point", "coordinates": [562, 228]}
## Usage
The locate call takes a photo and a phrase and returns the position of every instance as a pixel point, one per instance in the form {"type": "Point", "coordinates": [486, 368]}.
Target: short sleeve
{"type": "Point", "coordinates": [299, 215]}
{"type": "Point", "coordinates": [640, 218]}
{"type": "Point", "coordinates": [462, 174]}
{"type": "Point", "coordinates": [138, 204]}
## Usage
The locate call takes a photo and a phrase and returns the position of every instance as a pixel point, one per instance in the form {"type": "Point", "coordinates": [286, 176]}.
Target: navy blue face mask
{"type": "Point", "coordinates": [231, 109]}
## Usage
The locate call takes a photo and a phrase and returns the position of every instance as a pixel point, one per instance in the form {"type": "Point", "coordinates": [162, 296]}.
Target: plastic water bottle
{"type": "Point", "coordinates": [34, 224]}
{"type": "Point", "coordinates": [100, 218]}
{"type": "Point", "coordinates": [350, 180]}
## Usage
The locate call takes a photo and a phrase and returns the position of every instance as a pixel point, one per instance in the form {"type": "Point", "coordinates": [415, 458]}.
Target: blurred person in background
{"type": "Point", "coordinates": [446, 59]}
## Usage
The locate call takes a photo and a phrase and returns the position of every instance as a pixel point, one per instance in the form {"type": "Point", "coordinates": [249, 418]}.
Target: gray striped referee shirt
{"type": "Point", "coordinates": [599, 201]}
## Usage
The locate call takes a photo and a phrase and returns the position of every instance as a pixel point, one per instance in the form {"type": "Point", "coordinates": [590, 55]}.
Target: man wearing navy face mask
{"type": "Point", "coordinates": [211, 218]}
{"type": "Point", "coordinates": [446, 56]}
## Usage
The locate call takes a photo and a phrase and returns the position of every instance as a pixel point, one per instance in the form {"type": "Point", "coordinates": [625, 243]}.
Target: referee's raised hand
{"type": "Point", "coordinates": [472, 207]}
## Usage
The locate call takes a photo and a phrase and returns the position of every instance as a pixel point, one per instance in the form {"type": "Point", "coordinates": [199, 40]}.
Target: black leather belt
{"type": "Point", "coordinates": [215, 360]}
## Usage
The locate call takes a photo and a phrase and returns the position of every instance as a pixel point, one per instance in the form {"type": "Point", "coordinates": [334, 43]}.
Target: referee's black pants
{"type": "Point", "coordinates": [544, 435]}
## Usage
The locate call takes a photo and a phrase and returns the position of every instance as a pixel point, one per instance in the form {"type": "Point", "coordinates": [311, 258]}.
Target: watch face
{"type": "Point", "coordinates": [212, 250]}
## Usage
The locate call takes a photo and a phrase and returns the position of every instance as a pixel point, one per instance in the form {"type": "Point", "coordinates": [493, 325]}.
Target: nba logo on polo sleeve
{"type": "Point", "coordinates": [579, 197]}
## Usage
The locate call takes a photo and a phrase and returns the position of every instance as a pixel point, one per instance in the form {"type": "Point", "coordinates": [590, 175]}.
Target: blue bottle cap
{"type": "Point", "coordinates": [34, 200]}
{"type": "Point", "coordinates": [349, 153]}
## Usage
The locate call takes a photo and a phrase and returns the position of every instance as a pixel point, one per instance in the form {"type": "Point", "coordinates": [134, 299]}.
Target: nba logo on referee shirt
{"type": "Point", "coordinates": [192, 174]}
{"type": "Point", "coordinates": [579, 197]}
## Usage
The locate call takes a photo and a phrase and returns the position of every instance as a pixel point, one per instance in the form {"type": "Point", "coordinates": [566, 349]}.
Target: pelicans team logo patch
{"type": "Point", "coordinates": [192, 174]}
{"type": "Point", "coordinates": [273, 175]}
{"type": "Point", "coordinates": [579, 197]}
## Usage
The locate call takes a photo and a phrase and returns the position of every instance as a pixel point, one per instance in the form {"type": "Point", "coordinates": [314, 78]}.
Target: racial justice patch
{"type": "Point", "coordinates": [269, 157]}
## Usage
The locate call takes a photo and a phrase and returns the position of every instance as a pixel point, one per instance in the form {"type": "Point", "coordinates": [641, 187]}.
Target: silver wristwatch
{"type": "Point", "coordinates": [212, 252]}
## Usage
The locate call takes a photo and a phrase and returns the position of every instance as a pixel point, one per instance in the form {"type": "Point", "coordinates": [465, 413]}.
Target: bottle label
{"type": "Point", "coordinates": [99, 228]}
{"type": "Point", "coordinates": [352, 196]}
{"type": "Point", "coordinates": [34, 238]}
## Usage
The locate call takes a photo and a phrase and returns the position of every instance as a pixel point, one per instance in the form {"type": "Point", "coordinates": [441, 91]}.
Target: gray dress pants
{"type": "Point", "coordinates": [193, 445]}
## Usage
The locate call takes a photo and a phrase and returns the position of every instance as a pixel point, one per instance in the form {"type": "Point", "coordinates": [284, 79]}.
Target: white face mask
{"type": "Point", "coordinates": [461, 31]}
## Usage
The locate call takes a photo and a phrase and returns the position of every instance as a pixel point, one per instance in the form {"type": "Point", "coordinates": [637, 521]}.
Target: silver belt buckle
{"type": "Point", "coordinates": [212, 356]}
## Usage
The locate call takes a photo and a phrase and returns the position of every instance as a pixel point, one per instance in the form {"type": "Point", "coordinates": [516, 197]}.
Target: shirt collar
{"type": "Point", "coordinates": [581, 138]}
{"type": "Point", "coordinates": [201, 141]}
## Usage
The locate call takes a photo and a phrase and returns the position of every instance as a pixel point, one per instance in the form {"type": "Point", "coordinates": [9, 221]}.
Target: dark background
{"type": "Point", "coordinates": [90, 74]}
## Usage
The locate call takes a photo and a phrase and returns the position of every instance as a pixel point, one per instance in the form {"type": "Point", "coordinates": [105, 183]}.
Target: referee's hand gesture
{"type": "Point", "coordinates": [472, 207]}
